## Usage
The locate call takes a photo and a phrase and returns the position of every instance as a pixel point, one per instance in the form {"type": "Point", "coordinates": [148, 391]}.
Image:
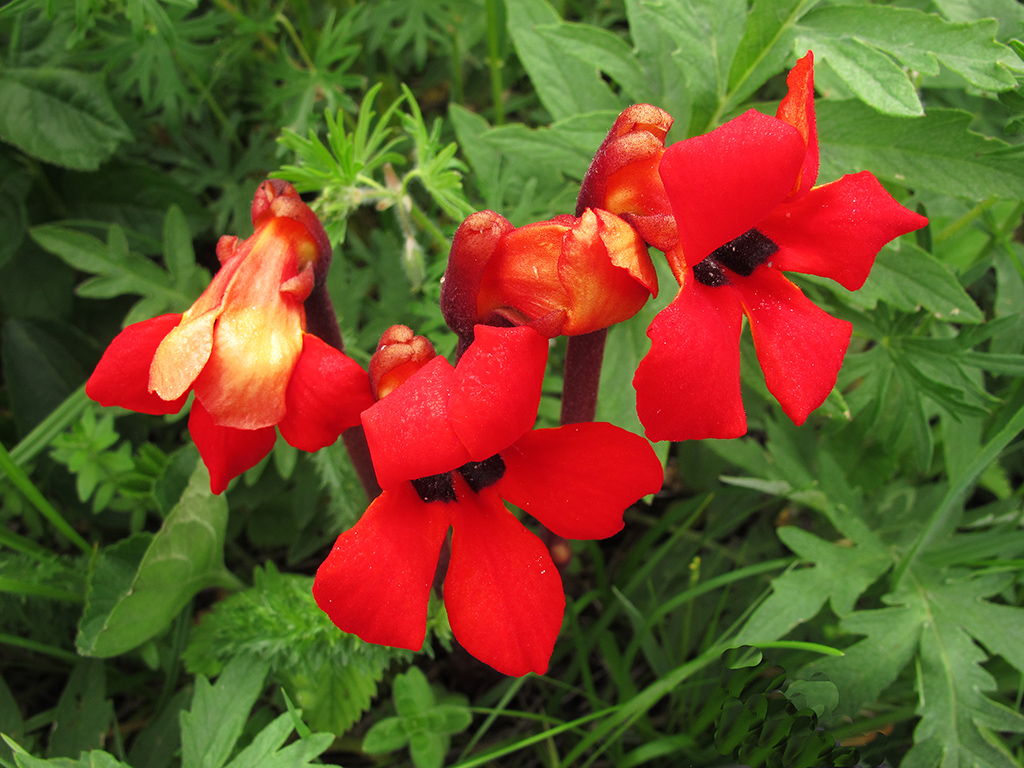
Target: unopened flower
{"type": "Point", "coordinates": [243, 350]}
{"type": "Point", "coordinates": [448, 445]}
{"type": "Point", "coordinates": [567, 276]}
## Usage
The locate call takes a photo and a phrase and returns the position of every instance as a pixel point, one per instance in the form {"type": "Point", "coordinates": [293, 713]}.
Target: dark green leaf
{"type": "Point", "coordinates": [605, 50]}
{"type": "Point", "coordinates": [936, 151]}
{"type": "Point", "coordinates": [60, 116]}
{"type": "Point", "coordinates": [83, 713]}
{"type": "Point", "coordinates": [125, 608]}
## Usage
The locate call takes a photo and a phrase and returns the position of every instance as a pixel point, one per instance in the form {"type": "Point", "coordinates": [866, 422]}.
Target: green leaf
{"type": "Point", "coordinates": [117, 270]}
{"type": "Point", "coordinates": [919, 40]}
{"type": "Point", "coordinates": [265, 750]}
{"type": "Point", "coordinates": [707, 34]}
{"type": "Point", "coordinates": [936, 151]}
{"type": "Point", "coordinates": [654, 48]}
{"type": "Point", "coordinates": [908, 278]}
{"type": "Point", "coordinates": [60, 116]}
{"type": "Point", "coordinates": [84, 713]}
{"type": "Point", "coordinates": [219, 712]}
{"type": "Point", "coordinates": [127, 605]}
{"type": "Point", "coordinates": [387, 735]}
{"type": "Point", "coordinates": [95, 759]}
{"type": "Point", "coordinates": [605, 50]}
{"type": "Point", "coordinates": [871, 75]}
{"type": "Point", "coordinates": [565, 85]}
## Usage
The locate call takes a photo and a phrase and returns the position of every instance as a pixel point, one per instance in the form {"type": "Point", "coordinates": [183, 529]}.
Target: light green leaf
{"type": "Point", "coordinates": [265, 750]}
{"type": "Point", "coordinates": [94, 759]}
{"type": "Point", "coordinates": [707, 34]}
{"type": "Point", "coordinates": [219, 712]}
{"type": "Point", "coordinates": [766, 44]}
{"type": "Point", "coordinates": [919, 40]}
{"type": "Point", "coordinates": [872, 75]}
{"type": "Point", "coordinates": [125, 608]}
{"type": "Point", "coordinates": [605, 50]}
{"type": "Point", "coordinates": [936, 151]}
{"type": "Point", "coordinates": [908, 278]}
{"type": "Point", "coordinates": [654, 48]}
{"type": "Point", "coordinates": [388, 735]}
{"type": "Point", "coordinates": [60, 116]}
{"type": "Point", "coordinates": [565, 85]}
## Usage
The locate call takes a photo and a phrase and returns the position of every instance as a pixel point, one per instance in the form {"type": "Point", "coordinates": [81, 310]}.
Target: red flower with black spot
{"type": "Point", "coordinates": [448, 445]}
{"type": "Point", "coordinates": [746, 210]}
{"type": "Point", "coordinates": [242, 348]}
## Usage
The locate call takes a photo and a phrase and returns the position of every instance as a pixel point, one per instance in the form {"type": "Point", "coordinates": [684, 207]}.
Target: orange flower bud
{"type": "Point", "coordinates": [623, 177]}
{"type": "Point", "coordinates": [564, 276]}
{"type": "Point", "coordinates": [399, 355]}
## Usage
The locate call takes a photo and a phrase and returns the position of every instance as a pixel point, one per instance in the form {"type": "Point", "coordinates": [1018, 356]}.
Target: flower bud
{"type": "Point", "coordinates": [399, 355]}
{"type": "Point", "coordinates": [276, 198]}
{"type": "Point", "coordinates": [564, 276]}
{"type": "Point", "coordinates": [623, 176]}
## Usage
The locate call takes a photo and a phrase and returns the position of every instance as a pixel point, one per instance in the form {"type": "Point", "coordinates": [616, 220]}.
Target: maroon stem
{"type": "Point", "coordinates": [321, 321]}
{"type": "Point", "coordinates": [583, 356]}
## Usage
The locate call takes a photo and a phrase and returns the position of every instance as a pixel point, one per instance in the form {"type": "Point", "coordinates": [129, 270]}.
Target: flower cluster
{"type": "Point", "coordinates": [450, 445]}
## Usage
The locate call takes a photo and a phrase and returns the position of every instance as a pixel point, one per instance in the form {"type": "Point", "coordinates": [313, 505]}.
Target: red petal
{"type": "Point", "coordinates": [837, 229]}
{"type": "Point", "coordinates": [497, 388]}
{"type": "Point", "coordinates": [797, 109]}
{"type": "Point", "coordinates": [376, 581]}
{"type": "Point", "coordinates": [723, 183]}
{"type": "Point", "coordinates": [688, 385]}
{"type": "Point", "coordinates": [578, 479]}
{"type": "Point", "coordinates": [226, 451]}
{"type": "Point", "coordinates": [800, 347]}
{"type": "Point", "coordinates": [327, 392]}
{"type": "Point", "coordinates": [503, 594]}
{"type": "Point", "coordinates": [475, 242]}
{"type": "Point", "coordinates": [409, 432]}
{"type": "Point", "coordinates": [122, 376]}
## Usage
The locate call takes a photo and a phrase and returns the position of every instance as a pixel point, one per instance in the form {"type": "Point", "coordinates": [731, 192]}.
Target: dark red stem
{"type": "Point", "coordinates": [583, 357]}
{"type": "Point", "coordinates": [323, 322]}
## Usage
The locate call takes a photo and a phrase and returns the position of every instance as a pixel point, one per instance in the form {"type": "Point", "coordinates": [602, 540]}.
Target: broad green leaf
{"type": "Point", "coordinates": [60, 116]}
{"type": "Point", "coordinates": [707, 34]}
{"type": "Point", "coordinates": [605, 50]}
{"type": "Point", "coordinates": [219, 712]}
{"type": "Point", "coordinates": [767, 42]}
{"type": "Point", "coordinates": [919, 40]}
{"type": "Point", "coordinates": [908, 278]}
{"type": "Point", "coordinates": [95, 759]}
{"type": "Point", "coordinates": [936, 151]}
{"type": "Point", "coordinates": [840, 574]}
{"type": "Point", "coordinates": [387, 735]}
{"type": "Point", "coordinates": [565, 85]}
{"type": "Point", "coordinates": [871, 75]}
{"type": "Point", "coordinates": [124, 608]}
{"type": "Point", "coordinates": [265, 750]}
{"type": "Point", "coordinates": [654, 49]}
{"type": "Point", "coordinates": [84, 713]}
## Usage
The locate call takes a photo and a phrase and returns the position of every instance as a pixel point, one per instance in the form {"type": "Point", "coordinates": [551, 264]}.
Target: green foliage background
{"type": "Point", "coordinates": [872, 556]}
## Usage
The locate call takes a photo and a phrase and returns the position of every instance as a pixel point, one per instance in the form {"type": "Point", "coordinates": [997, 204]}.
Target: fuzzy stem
{"type": "Point", "coordinates": [323, 322]}
{"type": "Point", "coordinates": [583, 358]}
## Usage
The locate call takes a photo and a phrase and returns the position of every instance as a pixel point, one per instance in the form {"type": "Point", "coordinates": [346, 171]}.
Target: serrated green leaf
{"type": "Point", "coordinates": [871, 75]}
{"type": "Point", "coordinates": [936, 151]}
{"type": "Point", "coordinates": [909, 278]}
{"type": "Point", "coordinates": [219, 712]}
{"type": "Point", "coordinates": [602, 49]}
{"type": "Point", "coordinates": [60, 116]}
{"type": "Point", "coordinates": [919, 40]}
{"type": "Point", "coordinates": [265, 750]}
{"type": "Point", "coordinates": [125, 608]}
{"type": "Point", "coordinates": [94, 759]}
{"type": "Point", "coordinates": [707, 34]}
{"type": "Point", "coordinates": [654, 49]}
{"type": "Point", "coordinates": [565, 85]}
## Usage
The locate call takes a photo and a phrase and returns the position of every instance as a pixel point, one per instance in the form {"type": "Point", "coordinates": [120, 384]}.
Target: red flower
{"type": "Point", "coordinates": [564, 276]}
{"type": "Point", "coordinates": [448, 445]}
{"type": "Point", "coordinates": [746, 210]}
{"type": "Point", "coordinates": [243, 350]}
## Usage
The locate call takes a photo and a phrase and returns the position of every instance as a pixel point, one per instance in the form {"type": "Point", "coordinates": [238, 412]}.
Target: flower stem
{"type": "Point", "coordinates": [323, 322]}
{"type": "Point", "coordinates": [583, 358]}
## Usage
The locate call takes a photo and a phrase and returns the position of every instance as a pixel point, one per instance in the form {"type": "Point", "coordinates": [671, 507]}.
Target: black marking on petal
{"type": "Point", "coordinates": [710, 274]}
{"type": "Point", "coordinates": [746, 253]}
{"type": "Point", "coordinates": [435, 487]}
{"type": "Point", "coordinates": [481, 474]}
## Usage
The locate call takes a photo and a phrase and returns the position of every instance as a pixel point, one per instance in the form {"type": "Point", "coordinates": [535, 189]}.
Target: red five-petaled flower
{"type": "Point", "coordinates": [746, 210]}
{"type": "Point", "coordinates": [243, 349]}
{"type": "Point", "coordinates": [448, 445]}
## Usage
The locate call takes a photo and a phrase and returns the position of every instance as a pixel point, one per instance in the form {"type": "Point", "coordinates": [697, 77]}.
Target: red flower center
{"type": "Point", "coordinates": [477, 474]}
{"type": "Point", "coordinates": [742, 255]}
